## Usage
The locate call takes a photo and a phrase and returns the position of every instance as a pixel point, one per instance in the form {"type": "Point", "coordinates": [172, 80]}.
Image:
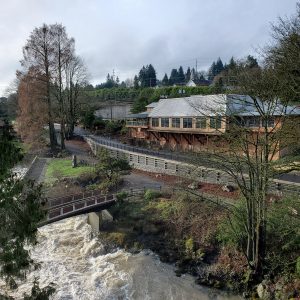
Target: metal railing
{"type": "Point", "coordinates": [137, 123]}
{"type": "Point", "coordinates": [289, 188]}
{"type": "Point", "coordinates": [163, 154]}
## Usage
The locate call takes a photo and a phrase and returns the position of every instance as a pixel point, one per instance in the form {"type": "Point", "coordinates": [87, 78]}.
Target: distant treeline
{"type": "Point", "coordinates": [143, 96]}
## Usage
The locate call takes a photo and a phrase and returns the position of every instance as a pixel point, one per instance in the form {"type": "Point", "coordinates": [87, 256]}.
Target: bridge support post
{"type": "Point", "coordinates": [96, 219]}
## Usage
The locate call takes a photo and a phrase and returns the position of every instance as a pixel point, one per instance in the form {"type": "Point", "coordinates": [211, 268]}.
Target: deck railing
{"type": "Point", "coordinates": [137, 123]}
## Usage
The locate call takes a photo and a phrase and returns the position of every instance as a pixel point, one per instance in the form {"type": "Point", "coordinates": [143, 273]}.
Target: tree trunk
{"type": "Point", "coordinates": [62, 135]}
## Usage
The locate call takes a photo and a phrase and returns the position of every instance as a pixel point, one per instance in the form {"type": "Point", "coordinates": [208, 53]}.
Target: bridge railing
{"type": "Point", "coordinates": [79, 205]}
{"type": "Point", "coordinates": [62, 201]}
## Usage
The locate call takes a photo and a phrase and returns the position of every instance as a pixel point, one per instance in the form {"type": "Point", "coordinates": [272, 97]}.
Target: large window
{"type": "Point", "coordinates": [176, 122]}
{"type": "Point", "coordinates": [155, 122]}
{"type": "Point", "coordinates": [187, 123]}
{"type": "Point", "coordinates": [215, 122]}
{"type": "Point", "coordinates": [164, 122]}
{"type": "Point", "coordinates": [201, 122]}
{"type": "Point", "coordinates": [270, 122]}
{"type": "Point", "coordinates": [253, 122]}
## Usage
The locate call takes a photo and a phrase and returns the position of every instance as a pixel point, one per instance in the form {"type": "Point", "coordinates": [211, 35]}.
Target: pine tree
{"type": "Point", "coordinates": [151, 76]}
{"type": "Point", "coordinates": [165, 80]}
{"type": "Point", "coordinates": [219, 66]}
{"type": "Point", "coordinates": [188, 74]}
{"type": "Point", "coordinates": [136, 83]}
{"type": "Point", "coordinates": [232, 64]}
{"type": "Point", "coordinates": [211, 71]}
{"type": "Point", "coordinates": [173, 77]}
{"type": "Point", "coordinates": [251, 62]}
{"type": "Point", "coordinates": [180, 75]}
{"type": "Point", "coordinates": [143, 77]}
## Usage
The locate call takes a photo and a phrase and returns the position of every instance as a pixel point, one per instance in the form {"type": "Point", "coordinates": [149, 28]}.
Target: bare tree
{"type": "Point", "coordinates": [76, 79]}
{"type": "Point", "coordinates": [32, 109]}
{"type": "Point", "coordinates": [63, 48]}
{"type": "Point", "coordinates": [252, 132]}
{"type": "Point", "coordinates": [39, 53]}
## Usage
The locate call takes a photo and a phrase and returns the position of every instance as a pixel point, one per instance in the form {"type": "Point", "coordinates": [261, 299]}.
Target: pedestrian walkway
{"type": "Point", "coordinates": [37, 170]}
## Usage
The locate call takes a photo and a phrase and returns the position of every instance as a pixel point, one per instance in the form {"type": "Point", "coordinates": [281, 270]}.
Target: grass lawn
{"type": "Point", "coordinates": [58, 168]}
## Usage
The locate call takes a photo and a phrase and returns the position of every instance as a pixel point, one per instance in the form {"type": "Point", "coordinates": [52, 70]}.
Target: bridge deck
{"type": "Point", "coordinates": [58, 210]}
{"type": "Point", "coordinates": [77, 204]}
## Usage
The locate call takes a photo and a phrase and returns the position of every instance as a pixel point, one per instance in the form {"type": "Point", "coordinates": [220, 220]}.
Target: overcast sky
{"type": "Point", "coordinates": [125, 34]}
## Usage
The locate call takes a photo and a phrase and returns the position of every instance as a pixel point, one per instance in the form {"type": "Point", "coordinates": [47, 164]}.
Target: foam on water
{"type": "Point", "coordinates": [77, 263]}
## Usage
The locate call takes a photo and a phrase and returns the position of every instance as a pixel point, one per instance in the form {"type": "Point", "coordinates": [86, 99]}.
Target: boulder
{"type": "Point", "coordinates": [227, 188]}
{"type": "Point", "coordinates": [263, 292]}
{"type": "Point", "coordinates": [193, 185]}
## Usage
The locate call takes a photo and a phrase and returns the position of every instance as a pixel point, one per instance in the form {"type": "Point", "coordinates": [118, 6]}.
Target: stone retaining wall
{"type": "Point", "coordinates": [198, 173]}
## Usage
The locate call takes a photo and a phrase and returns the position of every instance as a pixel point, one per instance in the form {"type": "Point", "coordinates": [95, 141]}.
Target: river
{"type": "Point", "coordinates": [78, 264]}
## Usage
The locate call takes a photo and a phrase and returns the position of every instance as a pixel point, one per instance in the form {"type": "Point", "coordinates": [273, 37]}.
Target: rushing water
{"type": "Point", "coordinates": [77, 263]}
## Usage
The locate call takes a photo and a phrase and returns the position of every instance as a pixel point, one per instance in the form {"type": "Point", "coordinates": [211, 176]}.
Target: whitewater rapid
{"type": "Point", "coordinates": [76, 261]}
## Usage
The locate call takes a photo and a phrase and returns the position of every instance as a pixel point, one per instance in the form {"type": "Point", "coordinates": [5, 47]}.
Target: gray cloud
{"type": "Point", "coordinates": [126, 34]}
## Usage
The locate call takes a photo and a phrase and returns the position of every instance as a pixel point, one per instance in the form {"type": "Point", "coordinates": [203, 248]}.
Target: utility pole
{"type": "Point", "coordinates": [196, 66]}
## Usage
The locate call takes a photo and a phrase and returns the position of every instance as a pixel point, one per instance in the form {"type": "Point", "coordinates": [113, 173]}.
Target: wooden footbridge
{"type": "Point", "coordinates": [64, 207]}
{"type": "Point", "coordinates": [73, 205]}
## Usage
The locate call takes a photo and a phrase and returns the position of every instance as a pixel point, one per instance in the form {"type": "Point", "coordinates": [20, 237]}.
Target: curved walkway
{"type": "Point", "coordinates": [189, 158]}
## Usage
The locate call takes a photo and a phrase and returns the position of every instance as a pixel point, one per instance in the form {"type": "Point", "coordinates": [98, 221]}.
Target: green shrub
{"type": "Point", "coordinates": [122, 196]}
{"type": "Point", "coordinates": [231, 231]}
{"type": "Point", "coordinates": [151, 195]}
{"type": "Point", "coordinates": [189, 246]}
{"type": "Point", "coordinates": [298, 266]}
{"type": "Point", "coordinates": [113, 127]}
{"type": "Point", "coordinates": [99, 123]}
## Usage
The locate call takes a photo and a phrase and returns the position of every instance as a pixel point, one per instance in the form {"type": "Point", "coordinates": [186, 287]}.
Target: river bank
{"type": "Point", "coordinates": [184, 232]}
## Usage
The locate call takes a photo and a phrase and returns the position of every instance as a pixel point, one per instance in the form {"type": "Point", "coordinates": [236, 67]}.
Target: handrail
{"type": "Point", "coordinates": [93, 195]}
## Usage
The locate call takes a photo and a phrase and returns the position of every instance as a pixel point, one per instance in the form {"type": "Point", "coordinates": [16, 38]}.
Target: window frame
{"type": "Point", "coordinates": [256, 122]}
{"type": "Point", "coordinates": [270, 122]}
{"type": "Point", "coordinates": [164, 122]}
{"type": "Point", "coordinates": [176, 121]}
{"type": "Point", "coordinates": [200, 121]}
{"type": "Point", "coordinates": [155, 122]}
{"type": "Point", "coordinates": [190, 121]}
{"type": "Point", "coordinates": [215, 122]}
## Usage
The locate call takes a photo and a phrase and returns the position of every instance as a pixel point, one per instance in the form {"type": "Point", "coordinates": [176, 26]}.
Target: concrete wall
{"type": "Point", "coordinates": [117, 111]}
{"type": "Point", "coordinates": [196, 173]}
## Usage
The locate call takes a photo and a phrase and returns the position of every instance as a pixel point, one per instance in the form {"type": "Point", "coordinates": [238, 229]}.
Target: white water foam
{"type": "Point", "coordinates": [76, 262]}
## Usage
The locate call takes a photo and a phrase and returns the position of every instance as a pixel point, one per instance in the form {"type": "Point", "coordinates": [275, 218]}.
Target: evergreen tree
{"type": "Point", "coordinates": [143, 77]}
{"type": "Point", "coordinates": [251, 62]}
{"type": "Point", "coordinates": [136, 83]}
{"type": "Point", "coordinates": [173, 77]}
{"type": "Point", "coordinates": [180, 75]}
{"type": "Point", "coordinates": [20, 212]}
{"type": "Point", "coordinates": [151, 75]}
{"type": "Point", "coordinates": [211, 71]}
{"type": "Point", "coordinates": [219, 66]}
{"type": "Point", "coordinates": [232, 64]}
{"type": "Point", "coordinates": [188, 74]}
{"type": "Point", "coordinates": [215, 69]}
{"type": "Point", "coordinates": [165, 80]}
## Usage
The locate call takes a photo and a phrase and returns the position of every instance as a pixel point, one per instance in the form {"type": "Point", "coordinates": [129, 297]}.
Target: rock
{"type": "Point", "coordinates": [227, 188]}
{"type": "Point", "coordinates": [193, 185]}
{"type": "Point", "coordinates": [263, 292]}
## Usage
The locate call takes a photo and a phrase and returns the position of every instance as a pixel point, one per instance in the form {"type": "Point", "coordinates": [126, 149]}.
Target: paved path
{"type": "Point", "coordinates": [176, 156]}
{"type": "Point", "coordinates": [37, 170]}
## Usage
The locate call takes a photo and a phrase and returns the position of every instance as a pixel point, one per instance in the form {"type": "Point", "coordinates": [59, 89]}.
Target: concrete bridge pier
{"type": "Point", "coordinates": [97, 219]}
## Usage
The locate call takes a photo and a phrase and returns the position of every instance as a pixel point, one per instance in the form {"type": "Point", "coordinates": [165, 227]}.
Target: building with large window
{"type": "Point", "coordinates": [196, 123]}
